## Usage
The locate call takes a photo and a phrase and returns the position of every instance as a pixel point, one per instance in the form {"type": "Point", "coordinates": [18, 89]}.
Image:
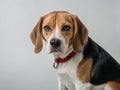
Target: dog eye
{"type": "Point", "coordinates": [66, 28]}
{"type": "Point", "coordinates": [46, 28]}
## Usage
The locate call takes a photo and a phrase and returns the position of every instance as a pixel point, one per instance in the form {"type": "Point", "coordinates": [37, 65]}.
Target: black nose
{"type": "Point", "coordinates": [55, 43]}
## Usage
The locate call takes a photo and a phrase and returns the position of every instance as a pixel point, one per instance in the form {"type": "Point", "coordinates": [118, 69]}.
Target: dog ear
{"type": "Point", "coordinates": [80, 35]}
{"type": "Point", "coordinates": [36, 36]}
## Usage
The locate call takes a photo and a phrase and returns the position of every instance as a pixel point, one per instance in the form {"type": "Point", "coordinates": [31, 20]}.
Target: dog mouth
{"type": "Point", "coordinates": [55, 50]}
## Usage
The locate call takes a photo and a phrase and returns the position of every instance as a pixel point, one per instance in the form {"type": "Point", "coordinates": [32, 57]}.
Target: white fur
{"type": "Point", "coordinates": [67, 72]}
{"type": "Point", "coordinates": [67, 75]}
{"type": "Point", "coordinates": [107, 88]}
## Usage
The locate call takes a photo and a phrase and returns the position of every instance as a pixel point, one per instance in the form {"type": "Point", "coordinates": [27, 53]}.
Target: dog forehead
{"type": "Point", "coordinates": [59, 16]}
{"type": "Point", "coordinates": [49, 18]}
{"type": "Point", "coordinates": [64, 17]}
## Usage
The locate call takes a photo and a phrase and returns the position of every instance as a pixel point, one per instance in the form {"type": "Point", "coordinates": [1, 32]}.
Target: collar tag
{"type": "Point", "coordinates": [55, 64]}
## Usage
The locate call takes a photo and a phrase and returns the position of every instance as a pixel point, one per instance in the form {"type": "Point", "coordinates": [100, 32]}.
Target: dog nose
{"type": "Point", "coordinates": [55, 43]}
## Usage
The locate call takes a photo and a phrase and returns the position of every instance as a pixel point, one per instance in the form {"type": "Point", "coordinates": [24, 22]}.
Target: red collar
{"type": "Point", "coordinates": [62, 60]}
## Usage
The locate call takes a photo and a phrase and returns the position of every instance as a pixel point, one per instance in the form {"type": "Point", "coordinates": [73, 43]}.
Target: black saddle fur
{"type": "Point", "coordinates": [105, 68]}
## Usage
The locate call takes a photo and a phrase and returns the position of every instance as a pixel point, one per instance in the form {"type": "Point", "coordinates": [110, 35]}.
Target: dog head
{"type": "Point", "coordinates": [60, 30]}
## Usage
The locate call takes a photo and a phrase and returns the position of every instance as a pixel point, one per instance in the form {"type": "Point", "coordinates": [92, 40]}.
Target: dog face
{"type": "Point", "coordinates": [60, 30]}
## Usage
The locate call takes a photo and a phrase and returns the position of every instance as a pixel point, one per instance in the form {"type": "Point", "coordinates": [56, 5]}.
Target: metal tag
{"type": "Point", "coordinates": [55, 64]}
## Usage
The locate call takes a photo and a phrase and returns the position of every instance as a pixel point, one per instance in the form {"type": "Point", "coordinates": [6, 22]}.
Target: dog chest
{"type": "Point", "coordinates": [67, 71]}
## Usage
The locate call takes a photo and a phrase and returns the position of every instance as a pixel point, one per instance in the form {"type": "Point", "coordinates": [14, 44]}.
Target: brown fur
{"type": "Point", "coordinates": [114, 85]}
{"type": "Point", "coordinates": [81, 35]}
{"type": "Point", "coordinates": [84, 70]}
{"type": "Point", "coordinates": [36, 36]}
{"type": "Point", "coordinates": [49, 20]}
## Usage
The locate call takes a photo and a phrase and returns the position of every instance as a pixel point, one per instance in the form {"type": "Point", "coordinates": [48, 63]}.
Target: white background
{"type": "Point", "coordinates": [20, 67]}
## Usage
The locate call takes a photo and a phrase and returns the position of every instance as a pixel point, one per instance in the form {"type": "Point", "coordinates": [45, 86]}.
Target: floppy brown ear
{"type": "Point", "coordinates": [80, 35]}
{"type": "Point", "coordinates": [36, 36]}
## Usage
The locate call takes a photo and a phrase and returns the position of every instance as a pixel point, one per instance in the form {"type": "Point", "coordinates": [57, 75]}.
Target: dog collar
{"type": "Point", "coordinates": [62, 60]}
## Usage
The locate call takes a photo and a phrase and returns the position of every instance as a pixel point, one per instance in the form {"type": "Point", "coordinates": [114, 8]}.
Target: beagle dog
{"type": "Point", "coordinates": [80, 63]}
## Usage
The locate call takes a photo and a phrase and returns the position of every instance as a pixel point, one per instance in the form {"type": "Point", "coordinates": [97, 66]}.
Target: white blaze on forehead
{"type": "Point", "coordinates": [57, 33]}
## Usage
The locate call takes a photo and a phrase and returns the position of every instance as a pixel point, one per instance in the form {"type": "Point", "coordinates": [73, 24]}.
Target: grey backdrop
{"type": "Point", "coordinates": [20, 67]}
